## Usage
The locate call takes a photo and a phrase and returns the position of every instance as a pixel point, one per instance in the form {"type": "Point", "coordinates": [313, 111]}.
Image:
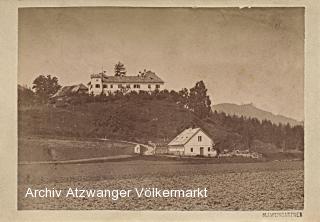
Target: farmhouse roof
{"type": "Point", "coordinates": [184, 137]}
{"type": "Point", "coordinates": [67, 90]}
{"type": "Point", "coordinates": [149, 77]}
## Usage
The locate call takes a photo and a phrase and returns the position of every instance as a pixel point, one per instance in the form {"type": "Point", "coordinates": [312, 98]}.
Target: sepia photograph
{"type": "Point", "coordinates": [161, 109]}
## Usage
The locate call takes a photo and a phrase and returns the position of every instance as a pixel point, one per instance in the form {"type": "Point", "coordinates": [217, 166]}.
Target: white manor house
{"type": "Point", "coordinates": [147, 81]}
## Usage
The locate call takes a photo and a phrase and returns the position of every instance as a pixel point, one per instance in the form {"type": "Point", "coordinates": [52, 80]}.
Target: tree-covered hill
{"type": "Point", "coordinates": [156, 116]}
{"type": "Point", "coordinates": [153, 117]}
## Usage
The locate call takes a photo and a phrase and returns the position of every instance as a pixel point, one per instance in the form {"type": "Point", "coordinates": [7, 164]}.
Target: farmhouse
{"type": "Point", "coordinates": [69, 91]}
{"type": "Point", "coordinates": [192, 142]}
{"type": "Point", "coordinates": [147, 81]}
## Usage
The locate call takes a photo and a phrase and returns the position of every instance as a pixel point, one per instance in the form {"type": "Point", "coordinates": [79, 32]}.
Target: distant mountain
{"type": "Point", "coordinates": [249, 110]}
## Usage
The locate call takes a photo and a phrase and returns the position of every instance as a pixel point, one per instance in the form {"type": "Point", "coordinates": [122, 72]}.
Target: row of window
{"type": "Point", "coordinates": [191, 149]}
{"type": "Point", "coordinates": [104, 86]}
{"type": "Point", "coordinates": [128, 86]}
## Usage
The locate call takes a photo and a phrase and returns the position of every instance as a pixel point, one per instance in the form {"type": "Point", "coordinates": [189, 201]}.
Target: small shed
{"type": "Point", "coordinates": [137, 149]}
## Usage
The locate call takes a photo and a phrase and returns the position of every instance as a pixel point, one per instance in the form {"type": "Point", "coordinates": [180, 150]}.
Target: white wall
{"type": "Point", "coordinates": [143, 86]}
{"type": "Point", "coordinates": [93, 89]}
{"type": "Point", "coordinates": [176, 150]}
{"type": "Point", "coordinates": [205, 142]}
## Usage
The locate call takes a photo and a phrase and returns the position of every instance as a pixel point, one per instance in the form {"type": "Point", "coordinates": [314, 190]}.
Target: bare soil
{"type": "Point", "coordinates": [270, 185]}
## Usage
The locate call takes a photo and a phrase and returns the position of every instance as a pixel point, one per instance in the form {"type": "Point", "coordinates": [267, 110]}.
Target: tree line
{"type": "Point", "coordinates": [283, 136]}
{"type": "Point", "coordinates": [44, 87]}
{"type": "Point", "coordinates": [195, 100]}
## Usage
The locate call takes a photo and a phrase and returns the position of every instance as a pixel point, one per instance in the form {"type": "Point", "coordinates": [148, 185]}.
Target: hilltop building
{"type": "Point", "coordinates": [192, 142]}
{"type": "Point", "coordinates": [147, 81]}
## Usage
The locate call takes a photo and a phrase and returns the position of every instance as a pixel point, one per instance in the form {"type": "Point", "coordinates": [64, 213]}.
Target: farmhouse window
{"type": "Point", "coordinates": [111, 86]}
{"type": "Point", "coordinates": [120, 86]}
{"type": "Point", "coordinates": [105, 86]}
{"type": "Point", "coordinates": [191, 150]}
{"type": "Point", "coordinates": [157, 86]}
{"type": "Point", "coordinates": [97, 85]}
{"type": "Point", "coordinates": [208, 149]}
{"type": "Point", "coordinates": [149, 86]}
{"type": "Point", "coordinates": [128, 86]}
{"type": "Point", "coordinates": [199, 138]}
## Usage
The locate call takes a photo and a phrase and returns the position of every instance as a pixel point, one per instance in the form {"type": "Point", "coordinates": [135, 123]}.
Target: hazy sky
{"type": "Point", "coordinates": [243, 55]}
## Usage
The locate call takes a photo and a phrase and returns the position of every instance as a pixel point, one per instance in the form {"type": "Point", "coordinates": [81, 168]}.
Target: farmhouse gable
{"type": "Point", "coordinates": [192, 142]}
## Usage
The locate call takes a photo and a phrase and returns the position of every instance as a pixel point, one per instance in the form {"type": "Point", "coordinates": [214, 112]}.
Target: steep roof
{"type": "Point", "coordinates": [149, 77]}
{"type": "Point", "coordinates": [67, 90]}
{"type": "Point", "coordinates": [184, 137]}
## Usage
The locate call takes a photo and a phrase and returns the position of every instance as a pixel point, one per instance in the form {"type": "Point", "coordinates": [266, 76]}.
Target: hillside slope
{"type": "Point", "coordinates": [249, 110]}
{"type": "Point", "coordinates": [139, 120]}
{"type": "Point", "coordinates": [143, 120]}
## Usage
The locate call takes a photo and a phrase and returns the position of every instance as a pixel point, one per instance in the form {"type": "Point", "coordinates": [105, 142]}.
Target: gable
{"type": "Point", "coordinates": [204, 139]}
{"type": "Point", "coordinates": [188, 135]}
{"type": "Point", "coordinates": [183, 137]}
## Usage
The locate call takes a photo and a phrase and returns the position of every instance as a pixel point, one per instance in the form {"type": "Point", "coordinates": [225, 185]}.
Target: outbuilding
{"type": "Point", "coordinates": [192, 142]}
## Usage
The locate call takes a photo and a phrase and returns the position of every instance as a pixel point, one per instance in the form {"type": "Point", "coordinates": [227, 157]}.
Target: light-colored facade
{"type": "Point", "coordinates": [147, 81]}
{"type": "Point", "coordinates": [192, 142]}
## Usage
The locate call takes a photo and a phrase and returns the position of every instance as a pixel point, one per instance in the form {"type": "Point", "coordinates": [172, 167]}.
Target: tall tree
{"type": "Point", "coordinates": [184, 96]}
{"type": "Point", "coordinates": [248, 134]}
{"type": "Point", "coordinates": [45, 87]}
{"type": "Point", "coordinates": [199, 102]}
{"type": "Point", "coordinates": [119, 69]}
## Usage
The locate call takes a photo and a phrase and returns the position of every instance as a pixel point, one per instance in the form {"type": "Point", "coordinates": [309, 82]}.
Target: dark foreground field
{"type": "Point", "coordinates": [266, 185]}
{"type": "Point", "coordinates": [242, 186]}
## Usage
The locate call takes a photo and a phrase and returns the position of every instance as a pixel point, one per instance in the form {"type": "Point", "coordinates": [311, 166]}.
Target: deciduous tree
{"type": "Point", "coordinates": [45, 87]}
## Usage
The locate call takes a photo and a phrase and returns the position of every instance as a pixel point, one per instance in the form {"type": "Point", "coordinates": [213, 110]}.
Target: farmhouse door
{"type": "Point", "coordinates": [201, 151]}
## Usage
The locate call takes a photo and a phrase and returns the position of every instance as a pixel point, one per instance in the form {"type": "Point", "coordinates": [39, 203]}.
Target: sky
{"type": "Point", "coordinates": [243, 56]}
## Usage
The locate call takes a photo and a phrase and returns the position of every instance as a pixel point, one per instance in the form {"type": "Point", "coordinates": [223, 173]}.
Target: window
{"type": "Point", "coordinates": [120, 86]}
{"type": "Point", "coordinates": [191, 150]}
{"type": "Point", "coordinates": [157, 86]}
{"type": "Point", "coordinates": [128, 86]}
{"type": "Point", "coordinates": [111, 86]}
{"type": "Point", "coordinates": [136, 86]}
{"type": "Point", "coordinates": [199, 138]}
{"type": "Point", "coordinates": [149, 86]}
{"type": "Point", "coordinates": [208, 149]}
{"type": "Point", "coordinates": [97, 85]}
{"type": "Point", "coordinates": [105, 86]}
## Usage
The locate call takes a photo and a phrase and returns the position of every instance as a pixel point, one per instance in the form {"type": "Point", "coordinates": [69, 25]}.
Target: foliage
{"type": "Point", "coordinates": [25, 96]}
{"type": "Point", "coordinates": [198, 101]}
{"type": "Point", "coordinates": [45, 87]}
{"type": "Point", "coordinates": [161, 115]}
{"type": "Point", "coordinates": [119, 69]}
{"type": "Point", "coordinates": [284, 137]}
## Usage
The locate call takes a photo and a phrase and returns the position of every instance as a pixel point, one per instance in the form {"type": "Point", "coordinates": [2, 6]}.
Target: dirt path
{"type": "Point", "coordinates": [87, 160]}
{"type": "Point", "coordinates": [150, 150]}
